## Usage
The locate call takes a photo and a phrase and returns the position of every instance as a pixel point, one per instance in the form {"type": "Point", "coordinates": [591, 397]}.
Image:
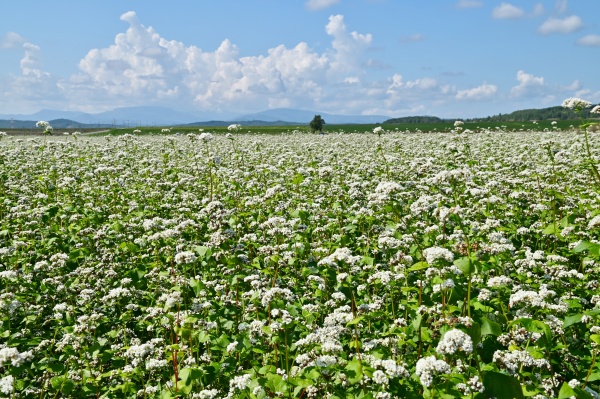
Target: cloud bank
{"type": "Point", "coordinates": [507, 11]}
{"type": "Point", "coordinates": [561, 25]}
{"type": "Point", "coordinates": [143, 68]}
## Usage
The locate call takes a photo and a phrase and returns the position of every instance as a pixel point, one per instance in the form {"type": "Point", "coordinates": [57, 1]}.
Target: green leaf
{"type": "Point", "coordinates": [354, 372]}
{"type": "Point", "coordinates": [595, 338]}
{"type": "Point", "coordinates": [416, 323]}
{"type": "Point", "coordinates": [56, 382]}
{"type": "Point", "coordinates": [203, 252]}
{"type": "Point", "coordinates": [166, 394]}
{"type": "Point", "coordinates": [56, 367]}
{"type": "Point", "coordinates": [475, 333]}
{"type": "Point", "coordinates": [465, 264]}
{"type": "Point", "coordinates": [570, 320]}
{"type": "Point", "coordinates": [502, 386]}
{"type": "Point", "coordinates": [418, 266]}
{"type": "Point", "coordinates": [67, 386]}
{"type": "Point", "coordinates": [489, 327]}
{"type": "Point", "coordinates": [367, 260]}
{"type": "Point", "coordinates": [298, 179]}
{"type": "Point", "coordinates": [267, 330]}
{"type": "Point", "coordinates": [356, 320]}
{"type": "Point", "coordinates": [586, 246]}
{"type": "Point", "coordinates": [566, 392]}
{"type": "Point", "coordinates": [275, 383]}
{"type": "Point", "coordinates": [116, 226]}
{"type": "Point", "coordinates": [594, 377]}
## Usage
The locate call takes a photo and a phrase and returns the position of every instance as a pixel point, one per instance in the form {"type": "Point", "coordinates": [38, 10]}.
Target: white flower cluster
{"type": "Point", "coordinates": [429, 367]}
{"type": "Point", "coordinates": [234, 127]}
{"type": "Point", "coordinates": [434, 254]}
{"type": "Point", "coordinates": [391, 368]}
{"type": "Point", "coordinates": [473, 385]}
{"type": "Point", "coordinates": [498, 281]}
{"type": "Point", "coordinates": [205, 394]}
{"type": "Point", "coordinates": [13, 356]}
{"type": "Point", "coordinates": [7, 385]}
{"type": "Point", "coordinates": [138, 352]}
{"type": "Point", "coordinates": [595, 222]}
{"type": "Point", "coordinates": [512, 360]}
{"type": "Point", "coordinates": [185, 257]}
{"type": "Point", "coordinates": [48, 129]}
{"type": "Point", "coordinates": [205, 137]}
{"type": "Point", "coordinates": [274, 292]}
{"type": "Point", "coordinates": [342, 254]}
{"type": "Point", "coordinates": [532, 299]}
{"type": "Point", "coordinates": [575, 103]}
{"type": "Point", "coordinates": [384, 192]}
{"type": "Point", "coordinates": [116, 293]}
{"type": "Point", "coordinates": [454, 341]}
{"type": "Point", "coordinates": [239, 382]}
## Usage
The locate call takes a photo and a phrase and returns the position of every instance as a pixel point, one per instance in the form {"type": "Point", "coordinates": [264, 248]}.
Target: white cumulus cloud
{"type": "Point", "coordinates": [507, 11]}
{"type": "Point", "coordinates": [528, 85]}
{"type": "Point", "coordinates": [346, 46]}
{"type": "Point", "coordinates": [561, 25]}
{"type": "Point", "coordinates": [12, 40]}
{"type": "Point", "coordinates": [31, 63]}
{"type": "Point", "coordinates": [589, 40]}
{"type": "Point", "coordinates": [477, 93]}
{"type": "Point", "coordinates": [398, 88]}
{"type": "Point", "coordinates": [142, 65]}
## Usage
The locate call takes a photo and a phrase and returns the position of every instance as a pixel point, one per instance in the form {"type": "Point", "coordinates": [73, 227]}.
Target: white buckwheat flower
{"type": "Point", "coordinates": [428, 367]}
{"type": "Point", "coordinates": [454, 341]}
{"type": "Point", "coordinates": [433, 254]}
{"type": "Point", "coordinates": [575, 103]}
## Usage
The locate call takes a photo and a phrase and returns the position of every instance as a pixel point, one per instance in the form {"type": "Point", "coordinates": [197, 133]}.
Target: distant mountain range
{"type": "Point", "coordinates": [129, 116]}
{"type": "Point", "coordinates": [162, 116]}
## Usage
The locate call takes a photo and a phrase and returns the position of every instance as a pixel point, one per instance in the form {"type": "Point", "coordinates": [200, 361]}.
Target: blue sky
{"type": "Point", "coordinates": [220, 58]}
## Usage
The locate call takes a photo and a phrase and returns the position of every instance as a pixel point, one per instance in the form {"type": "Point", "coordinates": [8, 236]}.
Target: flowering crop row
{"type": "Point", "coordinates": [299, 266]}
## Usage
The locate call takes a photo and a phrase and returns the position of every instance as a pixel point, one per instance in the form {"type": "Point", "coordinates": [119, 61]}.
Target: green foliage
{"type": "Point", "coordinates": [415, 119]}
{"type": "Point", "coordinates": [543, 114]}
{"type": "Point", "coordinates": [272, 264]}
{"type": "Point", "coordinates": [317, 123]}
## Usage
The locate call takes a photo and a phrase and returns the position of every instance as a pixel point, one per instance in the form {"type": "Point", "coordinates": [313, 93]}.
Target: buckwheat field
{"type": "Point", "coordinates": [365, 265]}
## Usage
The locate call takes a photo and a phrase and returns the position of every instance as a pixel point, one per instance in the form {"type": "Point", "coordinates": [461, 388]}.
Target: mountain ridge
{"type": "Point", "coordinates": [162, 116]}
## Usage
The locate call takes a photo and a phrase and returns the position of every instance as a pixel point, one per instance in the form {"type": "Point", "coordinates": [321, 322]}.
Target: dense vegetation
{"type": "Point", "coordinates": [525, 115]}
{"type": "Point", "coordinates": [415, 119]}
{"type": "Point", "coordinates": [243, 265]}
{"type": "Point", "coordinates": [551, 113]}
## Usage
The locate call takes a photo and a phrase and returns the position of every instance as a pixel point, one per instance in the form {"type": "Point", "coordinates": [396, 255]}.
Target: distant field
{"type": "Point", "coordinates": [333, 128]}
{"type": "Point", "coordinates": [38, 132]}
{"type": "Point", "coordinates": [357, 128]}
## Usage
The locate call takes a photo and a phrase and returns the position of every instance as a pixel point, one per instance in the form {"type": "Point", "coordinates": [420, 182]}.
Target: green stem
{"type": "Point", "coordinates": [587, 377]}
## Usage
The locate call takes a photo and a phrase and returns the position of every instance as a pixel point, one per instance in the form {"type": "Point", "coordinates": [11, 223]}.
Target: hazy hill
{"type": "Point", "coordinates": [128, 116]}
{"type": "Point", "coordinates": [414, 119]}
{"type": "Point", "coordinates": [55, 123]}
{"type": "Point", "coordinates": [559, 113]}
{"type": "Point", "coordinates": [161, 116]}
